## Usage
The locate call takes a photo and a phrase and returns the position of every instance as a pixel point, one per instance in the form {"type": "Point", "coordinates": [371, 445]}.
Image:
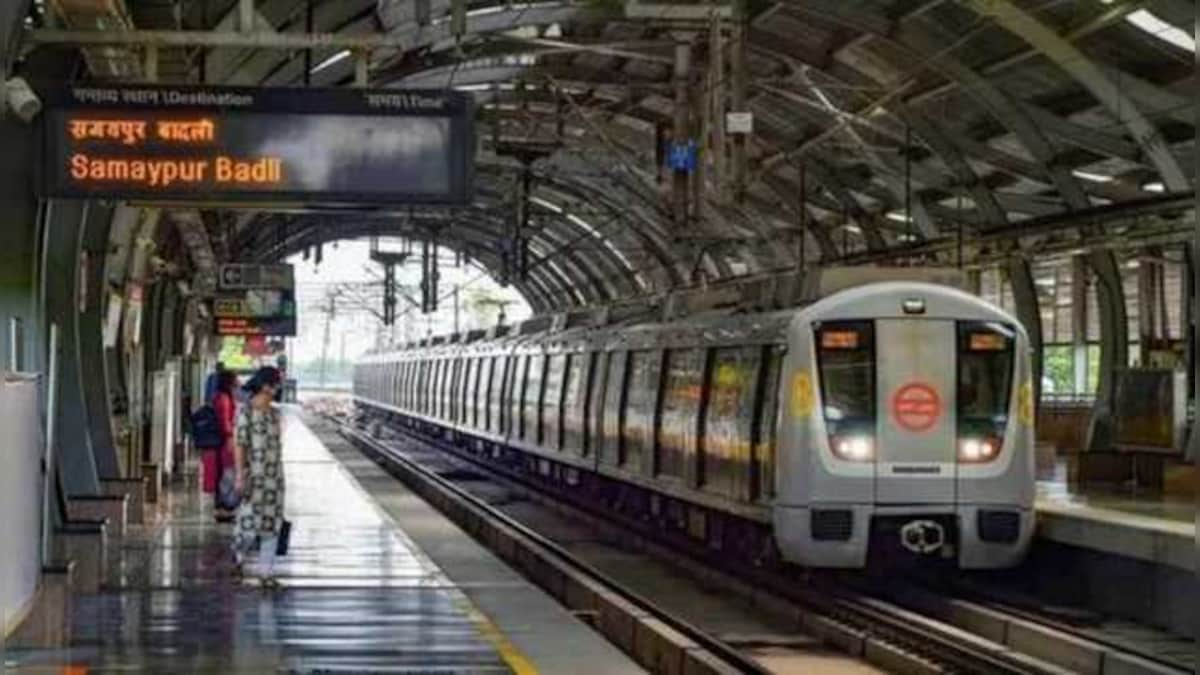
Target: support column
{"type": "Point", "coordinates": [1146, 310]}
{"type": "Point", "coordinates": [1020, 275]}
{"type": "Point", "coordinates": [1194, 442]}
{"type": "Point", "coordinates": [1079, 322]}
{"type": "Point", "coordinates": [681, 129]}
{"type": "Point", "coordinates": [716, 103]}
{"type": "Point", "coordinates": [19, 319]}
{"type": "Point", "coordinates": [1114, 345]}
{"type": "Point", "coordinates": [64, 223]}
{"type": "Point", "coordinates": [89, 341]}
{"type": "Point", "coordinates": [738, 88]}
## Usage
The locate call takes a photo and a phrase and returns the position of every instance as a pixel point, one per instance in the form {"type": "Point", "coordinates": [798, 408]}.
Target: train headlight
{"type": "Point", "coordinates": [974, 450]}
{"type": "Point", "coordinates": [853, 448]}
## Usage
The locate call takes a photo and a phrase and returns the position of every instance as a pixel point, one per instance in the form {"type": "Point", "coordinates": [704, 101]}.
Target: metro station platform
{"type": "Point", "coordinates": [1123, 554]}
{"type": "Point", "coordinates": [1154, 528]}
{"type": "Point", "coordinates": [358, 594]}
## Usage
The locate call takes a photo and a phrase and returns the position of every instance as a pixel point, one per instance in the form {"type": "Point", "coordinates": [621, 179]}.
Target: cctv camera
{"type": "Point", "coordinates": [21, 99]}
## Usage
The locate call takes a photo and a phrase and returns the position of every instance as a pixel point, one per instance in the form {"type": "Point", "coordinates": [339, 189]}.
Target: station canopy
{"type": "Point", "coordinates": [921, 131]}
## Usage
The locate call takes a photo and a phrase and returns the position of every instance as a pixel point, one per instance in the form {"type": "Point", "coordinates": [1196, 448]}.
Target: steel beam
{"type": "Point", "coordinates": [1114, 346]}
{"type": "Point", "coordinates": [1020, 276]}
{"type": "Point", "coordinates": [1074, 62]}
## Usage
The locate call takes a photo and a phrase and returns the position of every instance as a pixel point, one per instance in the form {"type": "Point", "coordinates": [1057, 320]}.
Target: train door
{"type": "Point", "coordinates": [915, 383]}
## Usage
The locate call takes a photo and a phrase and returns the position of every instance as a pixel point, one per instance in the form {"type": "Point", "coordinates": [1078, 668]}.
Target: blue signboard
{"type": "Point", "coordinates": [682, 156]}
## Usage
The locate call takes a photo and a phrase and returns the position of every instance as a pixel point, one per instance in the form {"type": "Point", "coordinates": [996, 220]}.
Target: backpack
{"type": "Point", "coordinates": [206, 429]}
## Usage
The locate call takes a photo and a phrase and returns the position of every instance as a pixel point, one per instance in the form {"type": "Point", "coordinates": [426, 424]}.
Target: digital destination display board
{"type": "Point", "coordinates": [324, 146]}
{"type": "Point", "coordinates": [255, 300]}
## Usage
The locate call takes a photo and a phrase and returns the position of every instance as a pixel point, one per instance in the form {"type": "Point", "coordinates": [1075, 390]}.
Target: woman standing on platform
{"type": "Point", "coordinates": [259, 450]}
{"type": "Point", "coordinates": [223, 458]}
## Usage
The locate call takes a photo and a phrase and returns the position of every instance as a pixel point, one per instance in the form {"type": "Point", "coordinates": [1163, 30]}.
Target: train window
{"type": "Point", "coordinates": [430, 389]}
{"type": "Point", "coordinates": [460, 388]}
{"type": "Point", "coordinates": [729, 420]}
{"type": "Point", "coordinates": [495, 389]}
{"type": "Point", "coordinates": [574, 414]}
{"type": "Point", "coordinates": [614, 402]}
{"type": "Point", "coordinates": [534, 379]}
{"type": "Point", "coordinates": [641, 400]}
{"type": "Point", "coordinates": [414, 384]}
{"type": "Point", "coordinates": [847, 374]}
{"type": "Point", "coordinates": [399, 398]}
{"type": "Point", "coordinates": [408, 384]}
{"type": "Point", "coordinates": [516, 392]}
{"type": "Point", "coordinates": [767, 426]}
{"type": "Point", "coordinates": [448, 386]}
{"type": "Point", "coordinates": [454, 385]}
{"type": "Point", "coordinates": [439, 380]}
{"type": "Point", "coordinates": [985, 374]}
{"type": "Point", "coordinates": [448, 389]}
{"type": "Point", "coordinates": [470, 378]}
{"type": "Point", "coordinates": [453, 368]}
{"type": "Point", "coordinates": [409, 397]}
{"type": "Point", "coordinates": [479, 395]}
{"type": "Point", "coordinates": [682, 387]}
{"type": "Point", "coordinates": [595, 431]}
{"type": "Point", "coordinates": [466, 390]}
{"type": "Point", "coordinates": [552, 402]}
{"type": "Point", "coordinates": [471, 392]}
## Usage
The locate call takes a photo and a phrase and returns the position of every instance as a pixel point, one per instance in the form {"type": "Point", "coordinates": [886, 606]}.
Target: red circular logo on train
{"type": "Point", "coordinates": [916, 407]}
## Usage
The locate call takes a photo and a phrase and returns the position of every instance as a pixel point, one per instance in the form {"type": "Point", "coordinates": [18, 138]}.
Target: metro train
{"type": "Point", "coordinates": [885, 421]}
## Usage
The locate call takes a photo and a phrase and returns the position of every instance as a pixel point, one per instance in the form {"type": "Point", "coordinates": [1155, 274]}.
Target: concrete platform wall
{"type": "Point", "coordinates": [20, 498]}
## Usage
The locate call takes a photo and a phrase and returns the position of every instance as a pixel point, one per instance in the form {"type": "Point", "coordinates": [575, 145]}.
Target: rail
{"type": "Point", "coordinates": [870, 613]}
{"type": "Point", "coordinates": [549, 549]}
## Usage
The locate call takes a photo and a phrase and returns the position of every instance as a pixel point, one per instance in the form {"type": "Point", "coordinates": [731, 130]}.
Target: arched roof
{"type": "Point", "coordinates": [889, 128]}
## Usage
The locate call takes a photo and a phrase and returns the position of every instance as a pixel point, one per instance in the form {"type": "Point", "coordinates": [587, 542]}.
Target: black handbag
{"type": "Point", "coordinates": [285, 537]}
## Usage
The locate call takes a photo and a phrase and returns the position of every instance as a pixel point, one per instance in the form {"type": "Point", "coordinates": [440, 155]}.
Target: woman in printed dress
{"type": "Point", "coordinates": [258, 450]}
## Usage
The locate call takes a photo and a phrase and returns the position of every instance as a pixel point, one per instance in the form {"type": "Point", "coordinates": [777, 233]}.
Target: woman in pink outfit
{"type": "Point", "coordinates": [226, 409]}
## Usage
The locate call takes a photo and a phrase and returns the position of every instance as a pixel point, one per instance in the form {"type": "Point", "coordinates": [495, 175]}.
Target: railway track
{"type": "Point", "coordinates": [718, 656]}
{"type": "Point", "coordinates": [914, 631]}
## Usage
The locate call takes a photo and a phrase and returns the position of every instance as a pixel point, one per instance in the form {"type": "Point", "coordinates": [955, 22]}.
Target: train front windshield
{"type": "Point", "coordinates": [915, 394]}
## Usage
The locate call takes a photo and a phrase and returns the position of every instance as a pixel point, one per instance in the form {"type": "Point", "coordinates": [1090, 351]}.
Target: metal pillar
{"type": "Point", "coordinates": [716, 102]}
{"type": "Point", "coordinates": [681, 129]}
{"type": "Point", "coordinates": [62, 229]}
{"type": "Point", "coordinates": [1024, 289]}
{"type": "Point", "coordinates": [1079, 320]}
{"type": "Point", "coordinates": [1194, 445]}
{"type": "Point", "coordinates": [246, 16]}
{"type": "Point", "coordinates": [89, 339]}
{"type": "Point", "coordinates": [1114, 345]}
{"type": "Point", "coordinates": [738, 77]}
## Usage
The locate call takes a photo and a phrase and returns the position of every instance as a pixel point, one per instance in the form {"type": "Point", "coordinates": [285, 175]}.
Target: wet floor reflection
{"type": "Point", "coordinates": [356, 593]}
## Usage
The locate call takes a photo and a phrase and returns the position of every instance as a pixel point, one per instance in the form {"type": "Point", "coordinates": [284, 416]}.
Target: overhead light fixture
{"type": "Point", "coordinates": [1152, 24]}
{"type": "Point", "coordinates": [546, 204]}
{"type": "Point", "coordinates": [1133, 264]}
{"type": "Point", "coordinates": [1094, 177]}
{"type": "Point", "coordinates": [898, 217]}
{"type": "Point", "coordinates": [852, 228]}
{"type": "Point", "coordinates": [1156, 186]}
{"type": "Point", "coordinates": [340, 56]}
